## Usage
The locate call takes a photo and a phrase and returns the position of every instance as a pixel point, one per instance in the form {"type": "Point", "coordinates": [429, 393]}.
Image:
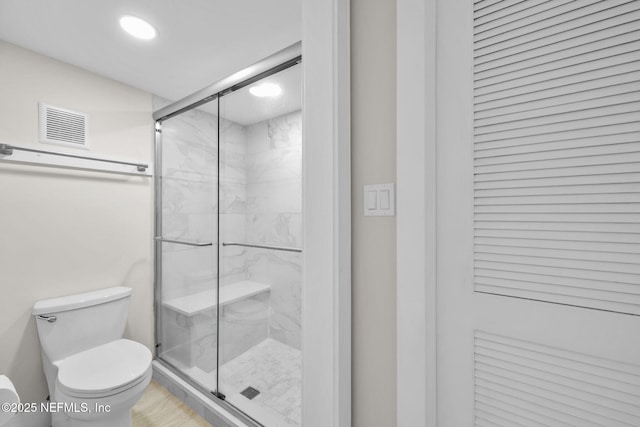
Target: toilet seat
{"type": "Point", "coordinates": [104, 370]}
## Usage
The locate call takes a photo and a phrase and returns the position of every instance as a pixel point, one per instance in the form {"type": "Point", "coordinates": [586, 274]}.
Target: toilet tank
{"type": "Point", "coordinates": [82, 321]}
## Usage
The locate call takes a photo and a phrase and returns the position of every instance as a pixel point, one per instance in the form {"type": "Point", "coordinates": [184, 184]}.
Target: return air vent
{"type": "Point", "coordinates": [61, 126]}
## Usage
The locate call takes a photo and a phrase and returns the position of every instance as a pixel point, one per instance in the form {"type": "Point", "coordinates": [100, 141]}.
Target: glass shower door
{"type": "Point", "coordinates": [260, 248]}
{"type": "Point", "coordinates": [229, 242]}
{"type": "Point", "coordinates": [186, 242]}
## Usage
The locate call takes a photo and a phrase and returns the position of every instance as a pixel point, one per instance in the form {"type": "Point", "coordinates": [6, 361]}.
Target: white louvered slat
{"type": "Point", "coordinates": [556, 232]}
{"type": "Point", "coordinates": [541, 402]}
{"type": "Point", "coordinates": [486, 14]}
{"type": "Point", "coordinates": [483, 7]}
{"type": "Point", "coordinates": [579, 160]}
{"type": "Point", "coordinates": [543, 89]}
{"type": "Point", "coordinates": [577, 261]}
{"type": "Point", "coordinates": [585, 379]}
{"type": "Point", "coordinates": [566, 226]}
{"type": "Point", "coordinates": [557, 113]}
{"type": "Point", "coordinates": [542, 59]}
{"type": "Point", "coordinates": [629, 219]}
{"type": "Point", "coordinates": [567, 181]}
{"type": "Point", "coordinates": [504, 377]}
{"type": "Point", "coordinates": [515, 12]}
{"type": "Point", "coordinates": [561, 103]}
{"type": "Point", "coordinates": [578, 254]}
{"type": "Point", "coordinates": [578, 171]}
{"type": "Point", "coordinates": [565, 208]}
{"type": "Point", "coordinates": [530, 267]}
{"type": "Point", "coordinates": [598, 380]}
{"type": "Point", "coordinates": [560, 357]}
{"type": "Point", "coordinates": [621, 143]}
{"type": "Point", "coordinates": [510, 231]}
{"type": "Point", "coordinates": [570, 94]}
{"type": "Point", "coordinates": [480, 422]}
{"type": "Point", "coordinates": [521, 382]}
{"type": "Point", "coordinates": [499, 416]}
{"type": "Point", "coordinates": [555, 243]}
{"type": "Point", "coordinates": [545, 32]}
{"type": "Point", "coordinates": [566, 17]}
{"type": "Point", "coordinates": [547, 279]}
{"type": "Point", "coordinates": [487, 403]}
{"type": "Point", "coordinates": [613, 43]}
{"type": "Point", "coordinates": [578, 111]}
{"type": "Point", "coordinates": [540, 287]}
{"type": "Point", "coordinates": [557, 144]}
{"type": "Point", "coordinates": [574, 66]}
{"type": "Point", "coordinates": [532, 410]}
{"type": "Point", "coordinates": [617, 54]}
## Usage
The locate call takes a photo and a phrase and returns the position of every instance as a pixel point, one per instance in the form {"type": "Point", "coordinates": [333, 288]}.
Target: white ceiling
{"type": "Point", "coordinates": [246, 109]}
{"type": "Point", "coordinates": [199, 41]}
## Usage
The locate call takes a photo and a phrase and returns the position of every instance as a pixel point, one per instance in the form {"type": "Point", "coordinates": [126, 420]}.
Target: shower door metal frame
{"type": "Point", "coordinates": [279, 61]}
{"type": "Point", "coordinates": [157, 232]}
{"type": "Point", "coordinates": [275, 63]}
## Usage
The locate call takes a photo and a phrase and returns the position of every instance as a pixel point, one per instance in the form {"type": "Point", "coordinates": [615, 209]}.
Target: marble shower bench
{"type": "Point", "coordinates": [189, 324]}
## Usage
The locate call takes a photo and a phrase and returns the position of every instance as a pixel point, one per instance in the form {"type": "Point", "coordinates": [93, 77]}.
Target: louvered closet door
{"type": "Point", "coordinates": [538, 153]}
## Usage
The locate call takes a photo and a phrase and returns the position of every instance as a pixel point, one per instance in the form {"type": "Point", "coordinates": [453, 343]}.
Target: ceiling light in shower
{"type": "Point", "coordinates": [137, 27]}
{"type": "Point", "coordinates": [266, 89]}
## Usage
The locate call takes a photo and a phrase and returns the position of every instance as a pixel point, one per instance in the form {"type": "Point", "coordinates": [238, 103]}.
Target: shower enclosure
{"type": "Point", "coordinates": [228, 239]}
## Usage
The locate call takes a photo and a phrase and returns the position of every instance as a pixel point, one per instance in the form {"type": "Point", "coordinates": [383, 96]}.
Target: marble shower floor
{"type": "Point", "coordinates": [272, 368]}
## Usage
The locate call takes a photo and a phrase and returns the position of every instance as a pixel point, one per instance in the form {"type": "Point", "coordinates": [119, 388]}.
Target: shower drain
{"type": "Point", "coordinates": [249, 392]}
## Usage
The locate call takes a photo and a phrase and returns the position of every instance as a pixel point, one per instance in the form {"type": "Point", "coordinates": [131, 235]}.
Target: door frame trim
{"type": "Point", "coordinates": [326, 294]}
{"type": "Point", "coordinates": [416, 213]}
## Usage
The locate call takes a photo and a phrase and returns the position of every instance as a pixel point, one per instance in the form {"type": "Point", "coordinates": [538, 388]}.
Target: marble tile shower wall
{"type": "Point", "coordinates": [260, 195]}
{"type": "Point", "coordinates": [189, 195]}
{"type": "Point", "coordinates": [190, 200]}
{"type": "Point", "coordinates": [274, 216]}
{"type": "Point", "coordinates": [233, 192]}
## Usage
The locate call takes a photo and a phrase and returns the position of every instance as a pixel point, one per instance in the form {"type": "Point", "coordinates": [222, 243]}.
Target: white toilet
{"type": "Point", "coordinates": [8, 395]}
{"type": "Point", "coordinates": [94, 374]}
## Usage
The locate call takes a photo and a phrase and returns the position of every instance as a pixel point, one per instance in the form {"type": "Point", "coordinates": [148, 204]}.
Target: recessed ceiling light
{"type": "Point", "coordinates": [266, 89]}
{"type": "Point", "coordinates": [137, 27]}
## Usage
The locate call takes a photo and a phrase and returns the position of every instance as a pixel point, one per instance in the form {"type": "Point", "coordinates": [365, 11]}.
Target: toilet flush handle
{"type": "Point", "coordinates": [48, 318]}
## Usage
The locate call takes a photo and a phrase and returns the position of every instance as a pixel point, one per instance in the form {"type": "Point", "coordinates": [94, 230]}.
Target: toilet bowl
{"type": "Point", "coordinates": [8, 396]}
{"type": "Point", "coordinates": [94, 375]}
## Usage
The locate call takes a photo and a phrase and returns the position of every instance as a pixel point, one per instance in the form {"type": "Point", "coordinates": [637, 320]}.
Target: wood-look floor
{"type": "Point", "coordinates": [159, 408]}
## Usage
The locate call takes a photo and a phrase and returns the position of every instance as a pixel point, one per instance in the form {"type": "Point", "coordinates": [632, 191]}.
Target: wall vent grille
{"type": "Point", "coordinates": [61, 126]}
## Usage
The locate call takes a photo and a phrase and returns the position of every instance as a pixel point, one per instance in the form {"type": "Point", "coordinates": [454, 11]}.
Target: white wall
{"type": "Point", "coordinates": [373, 154]}
{"type": "Point", "coordinates": [65, 231]}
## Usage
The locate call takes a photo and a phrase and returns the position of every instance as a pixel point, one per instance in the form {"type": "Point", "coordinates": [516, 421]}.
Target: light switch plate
{"type": "Point", "coordinates": [371, 197]}
{"type": "Point", "coordinates": [379, 200]}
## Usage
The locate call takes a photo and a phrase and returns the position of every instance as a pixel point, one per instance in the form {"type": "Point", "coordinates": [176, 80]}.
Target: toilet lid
{"type": "Point", "coordinates": [104, 370]}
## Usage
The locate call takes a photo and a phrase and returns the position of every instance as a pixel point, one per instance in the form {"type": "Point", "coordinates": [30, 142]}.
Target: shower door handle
{"type": "Point", "coordinates": [261, 246]}
{"type": "Point", "coordinates": [184, 242]}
